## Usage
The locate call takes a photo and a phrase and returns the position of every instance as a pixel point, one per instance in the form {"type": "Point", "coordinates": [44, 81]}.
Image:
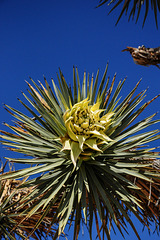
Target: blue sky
{"type": "Point", "coordinates": [37, 37]}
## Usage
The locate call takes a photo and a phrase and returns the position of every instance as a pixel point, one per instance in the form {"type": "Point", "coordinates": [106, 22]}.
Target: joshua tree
{"type": "Point", "coordinates": [134, 6]}
{"type": "Point", "coordinates": [91, 158]}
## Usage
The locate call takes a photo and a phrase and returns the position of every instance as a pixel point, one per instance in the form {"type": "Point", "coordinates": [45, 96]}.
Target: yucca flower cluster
{"type": "Point", "coordinates": [85, 129]}
{"type": "Point", "coordinates": [86, 158]}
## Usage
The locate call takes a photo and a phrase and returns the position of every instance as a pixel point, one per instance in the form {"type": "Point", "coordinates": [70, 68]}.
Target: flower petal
{"type": "Point", "coordinates": [91, 143]}
{"type": "Point", "coordinates": [69, 130]}
{"type": "Point", "coordinates": [97, 124]}
{"type": "Point", "coordinates": [67, 145]}
{"type": "Point", "coordinates": [81, 139]}
{"type": "Point", "coordinates": [95, 106]}
{"type": "Point", "coordinates": [101, 135]}
{"type": "Point", "coordinates": [107, 116]}
{"type": "Point", "coordinates": [75, 152]}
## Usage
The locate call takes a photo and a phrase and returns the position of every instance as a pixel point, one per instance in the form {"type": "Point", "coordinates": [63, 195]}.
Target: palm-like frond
{"type": "Point", "coordinates": [86, 173]}
{"type": "Point", "coordinates": [134, 7]}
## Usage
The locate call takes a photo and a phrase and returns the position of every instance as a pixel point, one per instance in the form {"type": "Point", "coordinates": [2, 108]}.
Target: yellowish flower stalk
{"type": "Point", "coordinates": [85, 129]}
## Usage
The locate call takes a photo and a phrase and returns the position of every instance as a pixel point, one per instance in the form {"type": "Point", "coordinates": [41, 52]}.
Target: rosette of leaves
{"type": "Point", "coordinates": [90, 156]}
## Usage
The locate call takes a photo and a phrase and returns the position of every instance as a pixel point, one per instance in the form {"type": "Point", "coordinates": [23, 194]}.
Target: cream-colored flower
{"type": "Point", "coordinates": [85, 129]}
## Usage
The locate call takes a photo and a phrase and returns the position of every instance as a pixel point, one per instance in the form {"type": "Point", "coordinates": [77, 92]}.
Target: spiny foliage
{"type": "Point", "coordinates": [91, 158]}
{"type": "Point", "coordinates": [135, 7]}
{"type": "Point", "coordinates": [13, 222]}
